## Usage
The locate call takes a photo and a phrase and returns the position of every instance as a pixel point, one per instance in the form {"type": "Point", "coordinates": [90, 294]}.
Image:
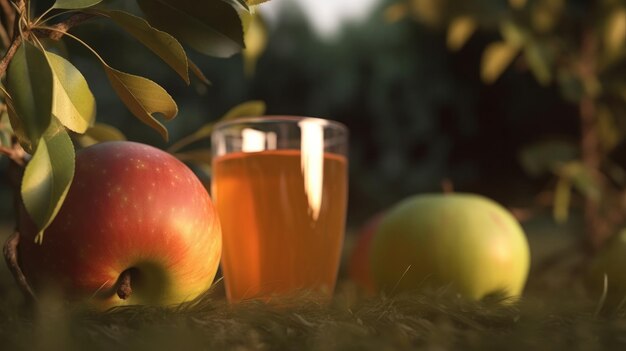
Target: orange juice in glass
{"type": "Point", "coordinates": [280, 187]}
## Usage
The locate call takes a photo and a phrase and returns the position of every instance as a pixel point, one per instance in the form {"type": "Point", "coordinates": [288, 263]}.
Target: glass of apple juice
{"type": "Point", "coordinates": [280, 186]}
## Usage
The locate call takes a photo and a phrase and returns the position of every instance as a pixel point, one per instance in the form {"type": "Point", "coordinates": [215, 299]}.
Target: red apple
{"type": "Point", "coordinates": [359, 269]}
{"type": "Point", "coordinates": [134, 217]}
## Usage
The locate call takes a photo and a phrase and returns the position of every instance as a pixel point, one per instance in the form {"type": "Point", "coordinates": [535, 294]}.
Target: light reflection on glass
{"type": "Point", "coordinates": [312, 163]}
{"type": "Point", "coordinates": [255, 140]}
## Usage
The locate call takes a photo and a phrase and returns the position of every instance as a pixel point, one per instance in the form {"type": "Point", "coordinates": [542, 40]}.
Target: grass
{"type": "Point", "coordinates": [550, 317]}
{"type": "Point", "coordinates": [352, 321]}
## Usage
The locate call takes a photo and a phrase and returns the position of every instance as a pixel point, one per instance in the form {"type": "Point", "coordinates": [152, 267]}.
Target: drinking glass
{"type": "Point", "coordinates": [280, 187]}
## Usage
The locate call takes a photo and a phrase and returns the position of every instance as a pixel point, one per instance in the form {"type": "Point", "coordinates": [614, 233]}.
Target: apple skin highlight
{"type": "Point", "coordinates": [130, 207]}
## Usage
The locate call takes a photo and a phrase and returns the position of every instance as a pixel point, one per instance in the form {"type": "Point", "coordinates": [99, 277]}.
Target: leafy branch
{"type": "Point", "coordinates": [579, 47]}
{"type": "Point", "coordinates": [45, 95]}
{"type": "Point", "coordinates": [56, 32]}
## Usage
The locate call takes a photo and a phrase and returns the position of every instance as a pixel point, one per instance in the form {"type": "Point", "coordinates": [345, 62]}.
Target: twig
{"type": "Point", "coordinates": [20, 7]}
{"type": "Point", "coordinates": [62, 27]}
{"type": "Point", "coordinates": [10, 255]}
{"type": "Point", "coordinates": [590, 144]}
{"type": "Point", "coordinates": [4, 36]}
{"type": "Point", "coordinates": [8, 56]}
{"type": "Point", "coordinates": [59, 30]}
{"type": "Point", "coordinates": [9, 15]}
{"type": "Point", "coordinates": [15, 153]}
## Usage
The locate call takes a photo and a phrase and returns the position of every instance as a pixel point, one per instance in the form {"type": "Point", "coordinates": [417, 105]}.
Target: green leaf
{"type": "Point", "coordinates": [198, 73]}
{"type": "Point", "coordinates": [545, 15]}
{"type": "Point", "coordinates": [496, 58]}
{"type": "Point", "coordinates": [249, 108]}
{"type": "Point", "coordinates": [571, 86]}
{"type": "Point", "coordinates": [55, 46]}
{"type": "Point", "coordinates": [143, 98]}
{"type": "Point", "coordinates": [256, 40]}
{"type": "Point", "coordinates": [242, 3]}
{"type": "Point", "coordinates": [73, 104]}
{"type": "Point", "coordinates": [30, 85]}
{"type": "Point", "coordinates": [582, 178]}
{"type": "Point", "coordinates": [459, 31]}
{"type": "Point", "coordinates": [255, 2]}
{"type": "Point", "coordinates": [16, 123]}
{"type": "Point", "coordinates": [615, 32]}
{"type": "Point", "coordinates": [545, 157]}
{"type": "Point", "coordinates": [5, 129]}
{"type": "Point", "coordinates": [587, 185]}
{"type": "Point", "coordinates": [539, 61]}
{"type": "Point", "coordinates": [210, 27]}
{"type": "Point", "coordinates": [562, 196]}
{"type": "Point", "coordinates": [513, 33]}
{"type": "Point", "coordinates": [159, 42]}
{"type": "Point", "coordinates": [75, 4]}
{"type": "Point", "coordinates": [99, 133]}
{"type": "Point", "coordinates": [48, 176]}
{"type": "Point", "coordinates": [608, 132]}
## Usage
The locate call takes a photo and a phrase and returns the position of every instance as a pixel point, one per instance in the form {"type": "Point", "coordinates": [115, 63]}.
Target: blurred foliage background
{"type": "Point", "coordinates": [419, 104]}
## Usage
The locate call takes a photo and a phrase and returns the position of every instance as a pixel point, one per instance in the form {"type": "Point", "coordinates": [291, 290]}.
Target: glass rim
{"type": "Point", "coordinates": [277, 119]}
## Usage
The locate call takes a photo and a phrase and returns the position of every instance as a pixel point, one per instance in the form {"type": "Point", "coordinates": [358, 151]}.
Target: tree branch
{"type": "Point", "coordinates": [15, 153]}
{"type": "Point", "coordinates": [8, 56]}
{"type": "Point", "coordinates": [60, 29]}
{"type": "Point", "coordinates": [596, 226]}
{"type": "Point", "coordinates": [11, 257]}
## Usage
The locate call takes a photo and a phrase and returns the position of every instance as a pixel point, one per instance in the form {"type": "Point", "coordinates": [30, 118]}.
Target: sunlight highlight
{"type": "Point", "coordinates": [255, 140]}
{"type": "Point", "coordinates": [312, 163]}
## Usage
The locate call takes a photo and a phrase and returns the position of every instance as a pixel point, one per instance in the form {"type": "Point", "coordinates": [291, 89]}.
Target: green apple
{"type": "Point", "coordinates": [609, 262]}
{"type": "Point", "coordinates": [464, 242]}
{"type": "Point", "coordinates": [137, 227]}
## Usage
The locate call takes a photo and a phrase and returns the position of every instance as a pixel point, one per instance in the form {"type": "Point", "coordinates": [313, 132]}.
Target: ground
{"type": "Point", "coordinates": [547, 318]}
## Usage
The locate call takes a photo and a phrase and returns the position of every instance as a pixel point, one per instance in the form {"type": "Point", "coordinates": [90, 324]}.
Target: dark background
{"type": "Point", "coordinates": [417, 113]}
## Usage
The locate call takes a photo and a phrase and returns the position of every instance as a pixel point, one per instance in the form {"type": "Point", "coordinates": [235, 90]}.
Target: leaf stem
{"type": "Point", "coordinates": [75, 38]}
{"type": "Point", "coordinates": [36, 22]}
{"type": "Point", "coordinates": [40, 20]}
{"type": "Point", "coordinates": [27, 8]}
{"type": "Point", "coordinates": [38, 42]}
{"type": "Point", "coordinates": [55, 32]}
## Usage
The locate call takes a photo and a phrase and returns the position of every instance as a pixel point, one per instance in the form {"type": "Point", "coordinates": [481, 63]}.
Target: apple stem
{"type": "Point", "coordinates": [10, 255]}
{"type": "Point", "coordinates": [447, 186]}
{"type": "Point", "coordinates": [124, 290]}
